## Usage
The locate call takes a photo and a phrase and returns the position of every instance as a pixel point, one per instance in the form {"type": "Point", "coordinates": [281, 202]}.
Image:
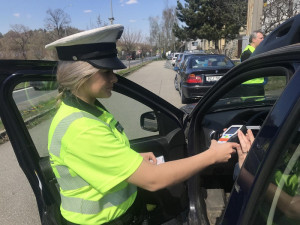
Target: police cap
{"type": "Point", "coordinates": [96, 46]}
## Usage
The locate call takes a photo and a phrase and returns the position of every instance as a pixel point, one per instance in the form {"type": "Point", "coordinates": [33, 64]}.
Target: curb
{"type": "Point", "coordinates": [3, 133]}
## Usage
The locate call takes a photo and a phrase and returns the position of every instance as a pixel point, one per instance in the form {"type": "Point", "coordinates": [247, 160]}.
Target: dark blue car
{"type": "Point", "coordinates": [264, 191]}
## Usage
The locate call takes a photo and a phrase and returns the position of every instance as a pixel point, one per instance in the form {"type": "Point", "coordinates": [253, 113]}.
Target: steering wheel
{"type": "Point", "coordinates": [258, 118]}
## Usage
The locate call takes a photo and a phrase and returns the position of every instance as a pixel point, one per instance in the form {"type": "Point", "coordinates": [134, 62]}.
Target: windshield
{"type": "Point", "coordinates": [204, 61]}
{"type": "Point", "coordinates": [262, 91]}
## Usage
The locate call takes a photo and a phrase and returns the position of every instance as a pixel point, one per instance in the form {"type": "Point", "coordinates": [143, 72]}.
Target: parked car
{"type": "Point", "coordinates": [173, 60]}
{"type": "Point", "coordinates": [199, 73]}
{"type": "Point", "coordinates": [178, 67]}
{"type": "Point", "coordinates": [266, 190]}
{"type": "Point", "coordinates": [179, 57]}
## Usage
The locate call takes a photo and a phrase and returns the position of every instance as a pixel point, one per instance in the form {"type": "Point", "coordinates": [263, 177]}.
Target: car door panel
{"type": "Point", "coordinates": [277, 63]}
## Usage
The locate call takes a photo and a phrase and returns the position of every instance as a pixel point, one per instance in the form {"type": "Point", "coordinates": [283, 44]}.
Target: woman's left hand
{"type": "Point", "coordinates": [246, 142]}
{"type": "Point", "coordinates": [149, 157]}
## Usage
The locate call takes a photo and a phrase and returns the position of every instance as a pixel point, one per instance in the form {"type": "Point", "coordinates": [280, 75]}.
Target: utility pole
{"type": "Point", "coordinates": [111, 19]}
{"type": "Point", "coordinates": [255, 9]}
{"type": "Point", "coordinates": [254, 14]}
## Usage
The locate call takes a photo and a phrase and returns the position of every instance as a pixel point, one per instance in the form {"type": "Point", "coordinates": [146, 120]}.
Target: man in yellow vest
{"type": "Point", "coordinates": [254, 40]}
{"type": "Point", "coordinates": [255, 86]}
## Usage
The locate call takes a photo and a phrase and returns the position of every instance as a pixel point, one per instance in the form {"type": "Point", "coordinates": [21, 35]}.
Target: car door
{"type": "Point", "coordinates": [27, 101]}
{"type": "Point", "coordinates": [233, 101]}
{"type": "Point", "coordinates": [267, 188]}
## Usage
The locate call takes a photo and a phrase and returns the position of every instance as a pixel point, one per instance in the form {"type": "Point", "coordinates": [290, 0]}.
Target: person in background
{"type": "Point", "coordinates": [255, 39]}
{"type": "Point", "coordinates": [97, 171]}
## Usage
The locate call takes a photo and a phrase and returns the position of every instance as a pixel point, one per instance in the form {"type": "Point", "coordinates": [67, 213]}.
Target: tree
{"type": "Point", "coordinates": [275, 12]}
{"type": "Point", "coordinates": [168, 20]}
{"type": "Point", "coordinates": [155, 32]}
{"type": "Point", "coordinates": [210, 19]}
{"type": "Point", "coordinates": [161, 31]}
{"type": "Point", "coordinates": [57, 20]}
{"type": "Point", "coordinates": [129, 40]}
{"type": "Point", "coordinates": [18, 40]}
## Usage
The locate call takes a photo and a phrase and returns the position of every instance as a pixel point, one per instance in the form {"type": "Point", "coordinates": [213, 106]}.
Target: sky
{"type": "Point", "coordinates": [133, 14]}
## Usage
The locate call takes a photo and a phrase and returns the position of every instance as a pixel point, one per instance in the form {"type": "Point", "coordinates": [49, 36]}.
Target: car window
{"type": "Point", "coordinates": [210, 61]}
{"type": "Point", "coordinates": [280, 200]}
{"type": "Point", "coordinates": [36, 102]}
{"type": "Point", "coordinates": [262, 91]}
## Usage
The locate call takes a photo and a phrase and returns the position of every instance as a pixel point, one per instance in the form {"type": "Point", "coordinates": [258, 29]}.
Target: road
{"type": "Point", "coordinates": [18, 205]}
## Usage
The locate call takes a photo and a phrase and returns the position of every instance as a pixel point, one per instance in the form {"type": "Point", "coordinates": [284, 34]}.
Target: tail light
{"type": "Point", "coordinates": [192, 79]}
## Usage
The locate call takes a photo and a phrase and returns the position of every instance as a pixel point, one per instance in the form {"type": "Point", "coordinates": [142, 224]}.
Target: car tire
{"type": "Point", "coordinates": [176, 83]}
{"type": "Point", "coordinates": [184, 100]}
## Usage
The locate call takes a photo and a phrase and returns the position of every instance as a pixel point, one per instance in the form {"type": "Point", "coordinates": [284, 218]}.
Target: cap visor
{"type": "Point", "coordinates": [107, 63]}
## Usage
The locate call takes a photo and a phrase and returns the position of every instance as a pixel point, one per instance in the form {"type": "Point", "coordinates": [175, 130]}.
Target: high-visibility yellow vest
{"type": "Point", "coordinates": [91, 159]}
{"type": "Point", "coordinates": [250, 48]}
{"type": "Point", "coordinates": [256, 80]}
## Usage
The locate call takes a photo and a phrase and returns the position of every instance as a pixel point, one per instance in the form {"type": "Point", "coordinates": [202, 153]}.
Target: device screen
{"type": "Point", "coordinates": [232, 130]}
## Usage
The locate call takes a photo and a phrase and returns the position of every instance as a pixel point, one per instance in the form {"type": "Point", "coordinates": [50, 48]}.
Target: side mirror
{"type": "Point", "coordinates": [176, 68]}
{"type": "Point", "coordinates": [148, 121]}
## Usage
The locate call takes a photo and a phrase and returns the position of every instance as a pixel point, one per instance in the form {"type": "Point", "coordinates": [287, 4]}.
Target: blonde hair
{"type": "Point", "coordinates": [71, 75]}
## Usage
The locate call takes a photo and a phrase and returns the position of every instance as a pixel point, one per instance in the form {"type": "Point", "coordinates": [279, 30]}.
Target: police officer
{"type": "Point", "coordinates": [254, 40]}
{"type": "Point", "coordinates": [97, 171]}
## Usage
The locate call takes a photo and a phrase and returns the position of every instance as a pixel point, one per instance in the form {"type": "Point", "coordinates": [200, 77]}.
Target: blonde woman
{"type": "Point", "coordinates": [97, 171]}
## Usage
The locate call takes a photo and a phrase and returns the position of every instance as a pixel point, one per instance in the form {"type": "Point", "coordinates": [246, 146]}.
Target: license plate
{"type": "Point", "coordinates": [213, 78]}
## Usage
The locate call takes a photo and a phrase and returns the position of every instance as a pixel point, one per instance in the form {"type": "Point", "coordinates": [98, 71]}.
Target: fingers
{"type": "Point", "coordinates": [250, 135]}
{"type": "Point", "coordinates": [245, 143]}
{"type": "Point", "coordinates": [152, 158]}
{"type": "Point", "coordinates": [149, 157]}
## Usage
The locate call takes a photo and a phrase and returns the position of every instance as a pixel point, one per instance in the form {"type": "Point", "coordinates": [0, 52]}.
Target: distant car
{"type": "Point", "coordinates": [173, 60]}
{"type": "Point", "coordinates": [174, 57]}
{"type": "Point", "coordinates": [198, 73]}
{"type": "Point", "coordinates": [179, 57]}
{"type": "Point", "coordinates": [169, 57]}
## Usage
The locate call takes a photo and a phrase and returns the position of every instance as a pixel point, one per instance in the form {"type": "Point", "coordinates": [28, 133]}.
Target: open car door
{"type": "Point", "coordinates": [27, 100]}
{"type": "Point", "coordinates": [262, 94]}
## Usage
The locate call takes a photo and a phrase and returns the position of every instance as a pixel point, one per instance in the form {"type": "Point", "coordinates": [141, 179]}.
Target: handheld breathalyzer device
{"type": "Point", "coordinates": [230, 135]}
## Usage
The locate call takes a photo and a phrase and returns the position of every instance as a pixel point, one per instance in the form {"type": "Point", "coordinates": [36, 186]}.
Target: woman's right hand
{"type": "Point", "coordinates": [223, 151]}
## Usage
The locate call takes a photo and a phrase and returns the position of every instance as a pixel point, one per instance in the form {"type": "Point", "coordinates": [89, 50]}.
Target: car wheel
{"type": "Point", "coordinates": [176, 83]}
{"type": "Point", "coordinates": [184, 100]}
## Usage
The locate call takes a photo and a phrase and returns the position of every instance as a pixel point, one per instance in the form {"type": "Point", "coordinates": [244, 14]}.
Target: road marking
{"type": "Point", "coordinates": [23, 89]}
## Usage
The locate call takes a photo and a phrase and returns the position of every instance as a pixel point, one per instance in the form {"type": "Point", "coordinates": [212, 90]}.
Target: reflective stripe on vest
{"type": "Point", "coordinates": [62, 127]}
{"type": "Point", "coordinates": [69, 182]}
{"type": "Point", "coordinates": [93, 207]}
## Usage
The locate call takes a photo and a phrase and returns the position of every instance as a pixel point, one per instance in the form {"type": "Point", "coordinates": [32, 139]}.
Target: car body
{"type": "Point", "coordinates": [179, 57]}
{"type": "Point", "coordinates": [198, 73]}
{"type": "Point", "coordinates": [174, 58]}
{"type": "Point", "coordinates": [177, 68]}
{"type": "Point", "coordinates": [173, 134]}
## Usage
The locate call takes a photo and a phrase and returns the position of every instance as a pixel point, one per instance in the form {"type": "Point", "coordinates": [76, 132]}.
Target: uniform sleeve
{"type": "Point", "coordinates": [100, 158]}
{"type": "Point", "coordinates": [245, 55]}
